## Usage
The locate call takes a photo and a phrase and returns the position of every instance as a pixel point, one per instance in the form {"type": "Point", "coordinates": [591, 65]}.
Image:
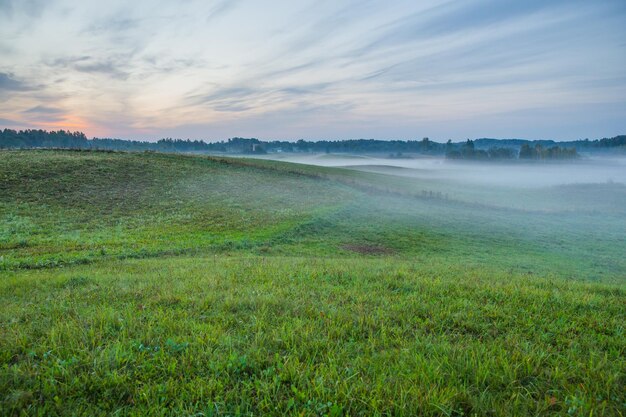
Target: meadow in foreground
{"type": "Point", "coordinates": [270, 289]}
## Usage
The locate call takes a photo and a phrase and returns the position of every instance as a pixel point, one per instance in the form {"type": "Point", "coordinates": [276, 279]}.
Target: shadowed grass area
{"type": "Point", "coordinates": [269, 288]}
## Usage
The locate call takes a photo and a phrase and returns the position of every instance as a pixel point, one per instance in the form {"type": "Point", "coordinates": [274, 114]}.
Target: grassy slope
{"type": "Point", "coordinates": [466, 311]}
{"type": "Point", "coordinates": [73, 207]}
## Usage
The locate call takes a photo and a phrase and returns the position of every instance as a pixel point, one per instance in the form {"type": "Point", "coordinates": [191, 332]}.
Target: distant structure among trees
{"type": "Point", "coordinates": [479, 149]}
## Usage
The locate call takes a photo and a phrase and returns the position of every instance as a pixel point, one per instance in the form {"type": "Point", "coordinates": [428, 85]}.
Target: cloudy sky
{"type": "Point", "coordinates": [289, 69]}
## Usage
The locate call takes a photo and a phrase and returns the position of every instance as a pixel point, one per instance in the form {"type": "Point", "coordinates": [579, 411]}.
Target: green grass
{"type": "Point", "coordinates": [74, 207]}
{"type": "Point", "coordinates": [151, 284]}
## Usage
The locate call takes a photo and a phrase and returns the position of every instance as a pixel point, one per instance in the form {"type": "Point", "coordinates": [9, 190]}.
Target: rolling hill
{"type": "Point", "coordinates": [147, 283]}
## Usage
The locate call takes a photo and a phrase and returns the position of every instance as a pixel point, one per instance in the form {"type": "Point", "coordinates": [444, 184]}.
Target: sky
{"type": "Point", "coordinates": [292, 69]}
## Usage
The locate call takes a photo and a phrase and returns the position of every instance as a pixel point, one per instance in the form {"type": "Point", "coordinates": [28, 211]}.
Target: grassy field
{"type": "Point", "coordinates": [137, 284]}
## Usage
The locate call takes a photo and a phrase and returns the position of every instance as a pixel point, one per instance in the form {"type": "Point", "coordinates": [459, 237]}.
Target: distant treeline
{"type": "Point", "coordinates": [12, 139]}
{"type": "Point", "coordinates": [470, 152]}
{"type": "Point", "coordinates": [476, 149]}
{"type": "Point", "coordinates": [585, 145]}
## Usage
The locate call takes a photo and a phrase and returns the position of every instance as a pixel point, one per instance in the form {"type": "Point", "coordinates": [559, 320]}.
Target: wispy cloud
{"type": "Point", "coordinates": [9, 83]}
{"type": "Point", "coordinates": [31, 8]}
{"type": "Point", "coordinates": [110, 66]}
{"type": "Point", "coordinates": [43, 110]}
{"type": "Point", "coordinates": [315, 68]}
{"type": "Point", "coordinates": [112, 25]}
{"type": "Point", "coordinates": [8, 122]}
{"type": "Point", "coordinates": [103, 67]}
{"type": "Point", "coordinates": [220, 8]}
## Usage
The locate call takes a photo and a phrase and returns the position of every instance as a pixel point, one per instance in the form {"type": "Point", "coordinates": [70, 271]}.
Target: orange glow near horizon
{"type": "Point", "coordinates": [72, 123]}
{"type": "Point", "coordinates": [76, 123]}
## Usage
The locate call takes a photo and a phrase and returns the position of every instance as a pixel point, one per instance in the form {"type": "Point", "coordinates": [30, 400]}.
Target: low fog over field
{"type": "Point", "coordinates": [587, 185]}
{"type": "Point", "coordinates": [588, 170]}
